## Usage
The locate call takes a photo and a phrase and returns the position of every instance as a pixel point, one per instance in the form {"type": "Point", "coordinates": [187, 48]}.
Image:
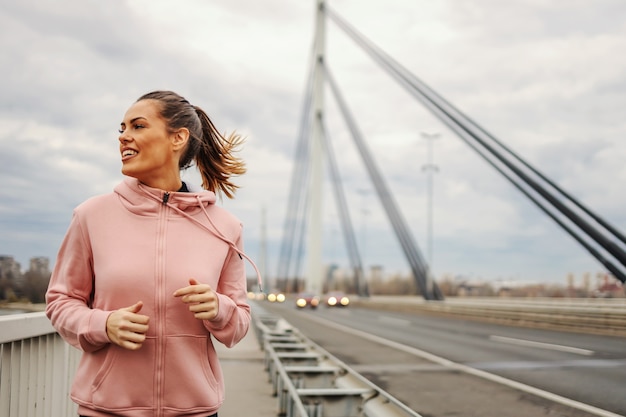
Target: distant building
{"type": "Point", "coordinates": [40, 265]}
{"type": "Point", "coordinates": [505, 288]}
{"type": "Point", "coordinates": [474, 288]}
{"type": "Point", "coordinates": [10, 277]}
{"type": "Point", "coordinates": [609, 288]}
{"type": "Point", "coordinates": [9, 268]}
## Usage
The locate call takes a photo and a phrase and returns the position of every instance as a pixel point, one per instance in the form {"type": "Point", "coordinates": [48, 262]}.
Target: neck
{"type": "Point", "coordinates": [165, 185]}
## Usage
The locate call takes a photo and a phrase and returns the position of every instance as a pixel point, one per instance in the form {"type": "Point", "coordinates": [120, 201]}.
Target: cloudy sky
{"type": "Point", "coordinates": [546, 78]}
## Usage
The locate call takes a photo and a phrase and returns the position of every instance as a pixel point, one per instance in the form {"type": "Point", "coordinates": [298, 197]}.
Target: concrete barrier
{"type": "Point", "coordinates": [597, 316]}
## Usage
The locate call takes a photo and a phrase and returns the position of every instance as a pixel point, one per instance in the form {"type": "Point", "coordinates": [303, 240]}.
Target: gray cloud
{"type": "Point", "coordinates": [549, 83]}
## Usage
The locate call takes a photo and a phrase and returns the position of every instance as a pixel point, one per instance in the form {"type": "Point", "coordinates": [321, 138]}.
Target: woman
{"type": "Point", "coordinates": [146, 274]}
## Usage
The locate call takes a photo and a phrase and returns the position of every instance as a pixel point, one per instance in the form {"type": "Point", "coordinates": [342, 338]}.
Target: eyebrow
{"type": "Point", "coordinates": [134, 120]}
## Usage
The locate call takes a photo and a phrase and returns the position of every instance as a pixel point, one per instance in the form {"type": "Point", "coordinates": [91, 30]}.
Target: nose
{"type": "Point", "coordinates": [123, 138]}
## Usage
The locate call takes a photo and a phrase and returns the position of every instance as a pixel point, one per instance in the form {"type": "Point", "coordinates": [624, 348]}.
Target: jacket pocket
{"type": "Point", "coordinates": [192, 377]}
{"type": "Point", "coordinates": [126, 378]}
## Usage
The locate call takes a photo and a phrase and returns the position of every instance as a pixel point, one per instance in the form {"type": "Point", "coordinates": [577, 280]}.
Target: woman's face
{"type": "Point", "coordinates": [147, 148]}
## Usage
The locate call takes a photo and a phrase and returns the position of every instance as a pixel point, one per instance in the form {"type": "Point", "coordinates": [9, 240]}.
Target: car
{"type": "Point", "coordinates": [259, 296]}
{"type": "Point", "coordinates": [276, 297]}
{"type": "Point", "coordinates": [336, 299]}
{"type": "Point", "coordinates": [305, 299]}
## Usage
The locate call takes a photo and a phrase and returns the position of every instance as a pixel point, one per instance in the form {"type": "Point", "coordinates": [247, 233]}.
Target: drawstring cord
{"type": "Point", "coordinates": [216, 232]}
{"type": "Point", "coordinates": [225, 239]}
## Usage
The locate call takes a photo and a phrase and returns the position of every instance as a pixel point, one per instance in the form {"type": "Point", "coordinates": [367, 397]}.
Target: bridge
{"type": "Point", "coordinates": [419, 357]}
{"type": "Point", "coordinates": [303, 221]}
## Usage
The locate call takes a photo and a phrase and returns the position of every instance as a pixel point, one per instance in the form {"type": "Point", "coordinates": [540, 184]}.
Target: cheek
{"type": "Point", "coordinates": [157, 151]}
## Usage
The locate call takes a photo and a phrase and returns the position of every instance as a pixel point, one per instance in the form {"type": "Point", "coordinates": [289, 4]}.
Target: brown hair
{"type": "Point", "coordinates": [212, 152]}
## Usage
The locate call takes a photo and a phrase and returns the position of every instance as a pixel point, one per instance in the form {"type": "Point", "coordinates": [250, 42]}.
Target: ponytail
{"type": "Point", "coordinates": [215, 158]}
{"type": "Point", "coordinates": [212, 152]}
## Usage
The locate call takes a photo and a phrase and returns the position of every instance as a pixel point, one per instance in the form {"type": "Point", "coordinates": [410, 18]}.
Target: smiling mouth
{"type": "Point", "coordinates": [128, 153]}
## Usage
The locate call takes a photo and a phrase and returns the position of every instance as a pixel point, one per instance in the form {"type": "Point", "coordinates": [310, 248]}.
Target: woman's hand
{"type": "Point", "coordinates": [202, 300]}
{"type": "Point", "coordinates": [126, 328]}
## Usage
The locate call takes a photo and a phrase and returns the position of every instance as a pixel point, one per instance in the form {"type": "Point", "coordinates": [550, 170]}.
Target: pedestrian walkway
{"type": "Point", "coordinates": [248, 389]}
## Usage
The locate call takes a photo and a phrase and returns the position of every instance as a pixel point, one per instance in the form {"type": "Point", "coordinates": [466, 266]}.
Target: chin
{"type": "Point", "coordinates": [128, 172]}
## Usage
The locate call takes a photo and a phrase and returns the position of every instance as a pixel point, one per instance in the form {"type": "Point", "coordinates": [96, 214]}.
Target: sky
{"type": "Point", "coordinates": [546, 78]}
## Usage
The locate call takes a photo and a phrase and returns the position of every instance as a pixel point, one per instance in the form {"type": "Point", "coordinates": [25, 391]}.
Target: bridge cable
{"type": "Point", "coordinates": [294, 216]}
{"type": "Point", "coordinates": [344, 214]}
{"type": "Point", "coordinates": [411, 251]}
{"type": "Point", "coordinates": [409, 80]}
{"type": "Point", "coordinates": [456, 126]}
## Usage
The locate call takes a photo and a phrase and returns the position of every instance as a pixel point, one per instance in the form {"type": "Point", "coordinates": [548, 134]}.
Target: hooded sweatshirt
{"type": "Point", "coordinates": [142, 244]}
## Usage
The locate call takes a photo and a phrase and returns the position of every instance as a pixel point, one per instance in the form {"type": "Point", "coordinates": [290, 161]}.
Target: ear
{"type": "Point", "coordinates": [180, 138]}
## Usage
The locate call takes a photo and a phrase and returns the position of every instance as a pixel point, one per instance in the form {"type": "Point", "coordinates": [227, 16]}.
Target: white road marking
{"type": "Point", "coordinates": [541, 345]}
{"type": "Point", "coordinates": [467, 369]}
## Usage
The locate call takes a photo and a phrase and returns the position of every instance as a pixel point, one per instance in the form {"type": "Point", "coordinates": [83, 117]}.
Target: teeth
{"type": "Point", "coordinates": [129, 152]}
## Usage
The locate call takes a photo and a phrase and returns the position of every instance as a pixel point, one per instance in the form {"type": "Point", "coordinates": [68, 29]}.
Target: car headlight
{"type": "Point", "coordinates": [345, 301]}
{"type": "Point", "coordinates": [332, 301]}
{"type": "Point", "coordinates": [271, 297]}
{"type": "Point", "coordinates": [280, 298]}
{"type": "Point", "coordinates": [301, 302]}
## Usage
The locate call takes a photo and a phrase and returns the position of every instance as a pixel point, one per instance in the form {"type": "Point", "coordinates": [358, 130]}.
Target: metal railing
{"type": "Point", "coordinates": [36, 368]}
{"type": "Point", "coordinates": [310, 382]}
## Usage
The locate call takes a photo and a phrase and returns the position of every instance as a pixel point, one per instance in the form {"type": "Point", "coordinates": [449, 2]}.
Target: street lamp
{"type": "Point", "coordinates": [430, 168]}
{"type": "Point", "coordinates": [364, 212]}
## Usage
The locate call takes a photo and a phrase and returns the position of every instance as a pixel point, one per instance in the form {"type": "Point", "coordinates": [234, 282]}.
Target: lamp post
{"type": "Point", "coordinates": [364, 212]}
{"type": "Point", "coordinates": [430, 168]}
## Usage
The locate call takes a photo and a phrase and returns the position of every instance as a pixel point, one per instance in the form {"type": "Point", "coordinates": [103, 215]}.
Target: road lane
{"type": "Point", "coordinates": [593, 379]}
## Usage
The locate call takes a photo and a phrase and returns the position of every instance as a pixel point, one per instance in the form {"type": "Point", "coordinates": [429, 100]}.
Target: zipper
{"type": "Point", "coordinates": [160, 305]}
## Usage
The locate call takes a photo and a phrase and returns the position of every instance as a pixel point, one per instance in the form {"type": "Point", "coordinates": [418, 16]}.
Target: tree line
{"type": "Point", "coordinates": [30, 286]}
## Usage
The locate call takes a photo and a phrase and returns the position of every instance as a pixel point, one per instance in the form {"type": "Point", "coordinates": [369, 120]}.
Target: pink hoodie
{"type": "Point", "coordinates": [130, 246]}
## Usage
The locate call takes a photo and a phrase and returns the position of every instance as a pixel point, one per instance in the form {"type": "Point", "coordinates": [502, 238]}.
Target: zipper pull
{"type": "Point", "coordinates": [166, 197]}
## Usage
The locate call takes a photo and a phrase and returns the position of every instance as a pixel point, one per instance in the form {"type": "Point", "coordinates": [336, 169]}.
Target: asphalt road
{"type": "Point", "coordinates": [450, 367]}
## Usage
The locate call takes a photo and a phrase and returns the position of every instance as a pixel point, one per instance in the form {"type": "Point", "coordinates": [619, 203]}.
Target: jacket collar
{"type": "Point", "coordinates": [143, 200]}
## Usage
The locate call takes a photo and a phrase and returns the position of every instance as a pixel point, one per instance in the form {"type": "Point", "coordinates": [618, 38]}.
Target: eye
{"type": "Point", "coordinates": [138, 126]}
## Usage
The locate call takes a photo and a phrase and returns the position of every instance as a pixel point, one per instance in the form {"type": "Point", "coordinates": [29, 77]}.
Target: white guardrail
{"type": "Point", "coordinates": [36, 368]}
{"type": "Point", "coordinates": [310, 382]}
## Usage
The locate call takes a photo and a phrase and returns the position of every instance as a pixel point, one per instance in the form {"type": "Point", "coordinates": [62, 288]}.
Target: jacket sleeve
{"type": "Point", "coordinates": [233, 318]}
{"type": "Point", "coordinates": [69, 293]}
